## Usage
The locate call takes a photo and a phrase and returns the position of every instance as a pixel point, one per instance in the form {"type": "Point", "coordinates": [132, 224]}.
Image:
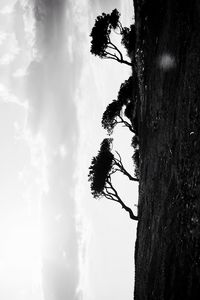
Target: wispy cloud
{"type": "Point", "coordinates": [20, 73]}
{"type": "Point", "coordinates": [3, 36]}
{"type": "Point", "coordinates": [51, 80]}
{"type": "Point", "coordinates": [7, 9]}
{"type": "Point", "coordinates": [7, 96]}
{"type": "Point", "coordinates": [12, 49]}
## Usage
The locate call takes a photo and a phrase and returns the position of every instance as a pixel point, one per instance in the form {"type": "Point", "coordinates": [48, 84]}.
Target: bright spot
{"type": "Point", "coordinates": [6, 95]}
{"type": "Point", "coordinates": [8, 9]}
{"type": "Point", "coordinates": [9, 57]}
{"type": "Point", "coordinates": [62, 151]}
{"type": "Point", "coordinates": [166, 61]}
{"type": "Point", "coordinates": [20, 73]}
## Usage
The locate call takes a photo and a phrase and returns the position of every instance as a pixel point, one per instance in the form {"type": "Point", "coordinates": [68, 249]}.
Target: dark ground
{"type": "Point", "coordinates": [168, 237]}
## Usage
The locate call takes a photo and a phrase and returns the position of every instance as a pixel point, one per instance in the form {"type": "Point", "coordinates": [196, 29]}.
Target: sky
{"type": "Point", "coordinates": [57, 242]}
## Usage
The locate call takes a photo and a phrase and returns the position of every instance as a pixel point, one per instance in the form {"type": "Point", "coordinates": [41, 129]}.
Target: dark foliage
{"type": "Point", "coordinates": [100, 168]}
{"type": "Point", "coordinates": [122, 110]}
{"type": "Point", "coordinates": [128, 39]}
{"type": "Point", "coordinates": [125, 93]}
{"type": "Point", "coordinates": [136, 160]}
{"type": "Point", "coordinates": [101, 44]}
{"type": "Point", "coordinates": [103, 166]}
{"type": "Point", "coordinates": [135, 142]}
{"type": "Point", "coordinates": [99, 34]}
{"type": "Point", "coordinates": [128, 112]}
{"type": "Point", "coordinates": [114, 18]}
{"type": "Point", "coordinates": [111, 114]}
{"type": "Point", "coordinates": [119, 108]}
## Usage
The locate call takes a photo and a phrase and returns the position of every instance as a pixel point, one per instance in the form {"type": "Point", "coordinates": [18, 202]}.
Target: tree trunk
{"type": "Point", "coordinates": [167, 59]}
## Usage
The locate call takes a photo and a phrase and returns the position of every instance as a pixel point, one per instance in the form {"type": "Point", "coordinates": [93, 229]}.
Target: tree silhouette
{"type": "Point", "coordinates": [103, 166]}
{"type": "Point", "coordinates": [101, 43]}
{"type": "Point", "coordinates": [120, 108]}
{"type": "Point", "coordinates": [126, 90]}
{"type": "Point", "coordinates": [128, 39]}
{"type": "Point", "coordinates": [136, 155]}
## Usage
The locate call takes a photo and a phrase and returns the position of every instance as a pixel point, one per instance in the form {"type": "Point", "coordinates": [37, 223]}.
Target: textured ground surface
{"type": "Point", "coordinates": [167, 248]}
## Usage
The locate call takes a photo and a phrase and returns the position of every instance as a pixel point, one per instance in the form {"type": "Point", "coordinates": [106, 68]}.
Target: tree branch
{"type": "Point", "coordinates": [111, 54]}
{"type": "Point", "coordinates": [120, 27]}
{"type": "Point", "coordinates": [109, 57]}
{"type": "Point", "coordinates": [118, 162]}
{"type": "Point", "coordinates": [115, 47]}
{"type": "Point", "coordinates": [129, 210]}
{"type": "Point", "coordinates": [126, 124]}
{"type": "Point", "coordinates": [109, 197]}
{"type": "Point", "coordinates": [111, 47]}
{"type": "Point", "coordinates": [126, 63]}
{"type": "Point", "coordinates": [120, 58]}
{"type": "Point", "coordinates": [120, 54]}
{"type": "Point", "coordinates": [118, 199]}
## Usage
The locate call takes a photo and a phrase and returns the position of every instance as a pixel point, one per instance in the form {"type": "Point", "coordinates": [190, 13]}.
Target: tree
{"type": "Point", "coordinates": [128, 39]}
{"type": "Point", "coordinates": [101, 43]}
{"type": "Point", "coordinates": [136, 156]}
{"type": "Point", "coordinates": [167, 256]}
{"type": "Point", "coordinates": [117, 110]}
{"type": "Point", "coordinates": [103, 166]}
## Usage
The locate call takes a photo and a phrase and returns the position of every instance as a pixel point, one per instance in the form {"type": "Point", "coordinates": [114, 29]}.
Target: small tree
{"type": "Point", "coordinates": [128, 39]}
{"type": "Point", "coordinates": [126, 91]}
{"type": "Point", "coordinates": [103, 166]}
{"type": "Point", "coordinates": [101, 43]}
{"type": "Point", "coordinates": [120, 108]}
{"type": "Point", "coordinates": [136, 155]}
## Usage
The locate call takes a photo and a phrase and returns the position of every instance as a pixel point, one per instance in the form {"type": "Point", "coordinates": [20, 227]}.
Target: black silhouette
{"type": "Point", "coordinates": [101, 43]}
{"type": "Point", "coordinates": [103, 166]}
{"type": "Point", "coordinates": [120, 108]}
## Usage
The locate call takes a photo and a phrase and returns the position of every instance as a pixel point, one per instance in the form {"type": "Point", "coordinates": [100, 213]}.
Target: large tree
{"type": "Point", "coordinates": [101, 171]}
{"type": "Point", "coordinates": [102, 44]}
{"type": "Point", "coordinates": [120, 111]}
{"type": "Point", "coordinates": [167, 255]}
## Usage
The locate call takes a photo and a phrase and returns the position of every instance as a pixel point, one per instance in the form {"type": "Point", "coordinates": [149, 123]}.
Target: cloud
{"type": "Point", "coordinates": [58, 78]}
{"type": "Point", "coordinates": [12, 49]}
{"type": "Point", "coordinates": [51, 80]}
{"type": "Point", "coordinates": [7, 96]}
{"type": "Point", "coordinates": [8, 9]}
{"type": "Point", "coordinates": [3, 36]}
{"type": "Point", "coordinates": [19, 73]}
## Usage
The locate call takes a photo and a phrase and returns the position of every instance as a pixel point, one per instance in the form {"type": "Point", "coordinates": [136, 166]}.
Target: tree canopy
{"type": "Point", "coordinates": [100, 168]}
{"type": "Point", "coordinates": [120, 108]}
{"type": "Point", "coordinates": [101, 44]}
{"type": "Point", "coordinates": [128, 39]}
{"type": "Point", "coordinates": [120, 111]}
{"type": "Point", "coordinates": [103, 166]}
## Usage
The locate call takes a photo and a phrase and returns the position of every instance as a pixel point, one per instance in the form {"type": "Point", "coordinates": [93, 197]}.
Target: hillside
{"type": "Point", "coordinates": [168, 237]}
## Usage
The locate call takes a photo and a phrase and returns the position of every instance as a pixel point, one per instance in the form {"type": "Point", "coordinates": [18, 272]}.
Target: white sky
{"type": "Point", "coordinates": [56, 240]}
